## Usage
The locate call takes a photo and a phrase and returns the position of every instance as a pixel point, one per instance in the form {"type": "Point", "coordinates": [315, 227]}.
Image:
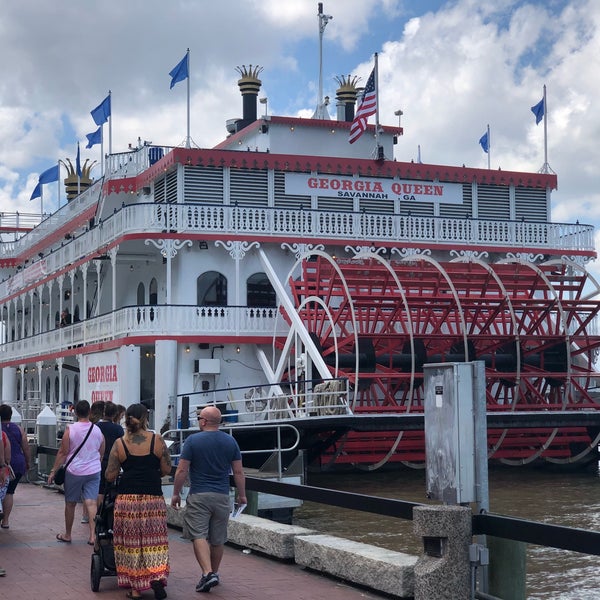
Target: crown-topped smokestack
{"type": "Point", "coordinates": [346, 97]}
{"type": "Point", "coordinates": [249, 86]}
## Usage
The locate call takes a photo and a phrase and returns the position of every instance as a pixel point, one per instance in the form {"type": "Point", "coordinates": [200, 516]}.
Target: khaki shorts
{"type": "Point", "coordinates": [206, 516]}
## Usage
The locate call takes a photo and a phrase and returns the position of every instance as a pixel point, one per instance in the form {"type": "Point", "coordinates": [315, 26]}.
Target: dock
{"type": "Point", "coordinates": [40, 568]}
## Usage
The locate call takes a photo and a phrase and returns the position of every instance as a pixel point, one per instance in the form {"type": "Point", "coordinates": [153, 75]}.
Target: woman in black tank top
{"type": "Point", "coordinates": [140, 534]}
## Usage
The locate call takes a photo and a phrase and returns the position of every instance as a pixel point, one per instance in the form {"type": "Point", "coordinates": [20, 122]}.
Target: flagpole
{"type": "Point", "coordinates": [546, 166]}
{"type": "Point", "coordinates": [187, 140]}
{"type": "Point", "coordinates": [378, 151]}
{"type": "Point", "coordinates": [78, 169]}
{"type": "Point", "coordinates": [489, 147]}
{"type": "Point", "coordinates": [110, 123]}
{"type": "Point", "coordinates": [58, 185]}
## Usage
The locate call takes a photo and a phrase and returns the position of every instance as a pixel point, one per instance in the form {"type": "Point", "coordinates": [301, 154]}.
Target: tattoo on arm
{"type": "Point", "coordinates": [114, 465]}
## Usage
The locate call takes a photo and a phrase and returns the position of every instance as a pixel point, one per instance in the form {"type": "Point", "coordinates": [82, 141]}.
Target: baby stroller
{"type": "Point", "coordinates": [103, 558]}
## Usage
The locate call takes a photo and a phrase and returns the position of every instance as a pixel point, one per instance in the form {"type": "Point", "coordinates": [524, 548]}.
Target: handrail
{"type": "Point", "coordinates": [264, 223]}
{"type": "Point", "coordinates": [533, 532]}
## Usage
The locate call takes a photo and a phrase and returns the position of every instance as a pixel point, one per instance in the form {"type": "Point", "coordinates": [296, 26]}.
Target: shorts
{"type": "Point", "coordinates": [81, 487]}
{"type": "Point", "coordinates": [206, 516]}
{"type": "Point", "coordinates": [13, 484]}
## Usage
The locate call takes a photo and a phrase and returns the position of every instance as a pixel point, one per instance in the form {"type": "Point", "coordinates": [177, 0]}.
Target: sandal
{"type": "Point", "coordinates": [130, 595]}
{"type": "Point", "coordinates": [158, 587]}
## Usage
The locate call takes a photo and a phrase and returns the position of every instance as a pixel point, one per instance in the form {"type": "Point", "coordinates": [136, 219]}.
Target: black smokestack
{"type": "Point", "coordinates": [249, 85]}
{"type": "Point", "coordinates": [346, 97]}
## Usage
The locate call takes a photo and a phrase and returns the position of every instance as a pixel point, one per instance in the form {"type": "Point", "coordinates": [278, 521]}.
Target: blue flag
{"type": "Point", "coordinates": [78, 162]}
{"type": "Point", "coordinates": [94, 138]}
{"type": "Point", "coordinates": [485, 142]}
{"type": "Point", "coordinates": [180, 72]}
{"type": "Point", "coordinates": [538, 110]}
{"type": "Point", "coordinates": [101, 113]}
{"type": "Point", "coordinates": [49, 175]}
{"type": "Point", "coordinates": [37, 191]}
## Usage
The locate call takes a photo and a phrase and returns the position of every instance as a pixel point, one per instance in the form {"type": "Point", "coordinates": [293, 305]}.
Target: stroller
{"type": "Point", "coordinates": [103, 558]}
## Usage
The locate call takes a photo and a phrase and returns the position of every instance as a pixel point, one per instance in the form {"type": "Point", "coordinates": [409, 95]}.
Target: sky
{"type": "Point", "coordinates": [452, 68]}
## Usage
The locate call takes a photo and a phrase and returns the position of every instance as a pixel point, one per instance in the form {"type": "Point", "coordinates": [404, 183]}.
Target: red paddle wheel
{"type": "Point", "coordinates": [377, 321]}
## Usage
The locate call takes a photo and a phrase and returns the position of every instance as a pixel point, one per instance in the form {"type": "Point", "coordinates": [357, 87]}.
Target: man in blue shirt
{"type": "Point", "coordinates": [209, 457]}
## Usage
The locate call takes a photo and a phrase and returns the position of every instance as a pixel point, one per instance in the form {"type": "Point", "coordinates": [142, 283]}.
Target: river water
{"type": "Point", "coordinates": [571, 499]}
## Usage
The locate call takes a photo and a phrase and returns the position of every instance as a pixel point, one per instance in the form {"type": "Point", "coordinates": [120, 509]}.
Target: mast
{"type": "Point", "coordinates": [321, 110]}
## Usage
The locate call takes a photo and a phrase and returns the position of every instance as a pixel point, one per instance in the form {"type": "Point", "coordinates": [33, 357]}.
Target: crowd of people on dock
{"type": "Point", "coordinates": [97, 452]}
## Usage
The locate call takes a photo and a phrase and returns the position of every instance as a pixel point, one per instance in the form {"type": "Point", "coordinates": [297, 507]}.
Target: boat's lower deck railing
{"type": "Point", "coordinates": [271, 403]}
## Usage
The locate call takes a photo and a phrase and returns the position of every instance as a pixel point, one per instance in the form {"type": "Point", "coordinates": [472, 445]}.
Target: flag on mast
{"type": "Point", "coordinates": [94, 138]}
{"type": "Point", "coordinates": [78, 162]}
{"type": "Point", "coordinates": [367, 107]}
{"type": "Point", "coordinates": [180, 71]}
{"type": "Point", "coordinates": [48, 176]}
{"type": "Point", "coordinates": [539, 110]}
{"type": "Point", "coordinates": [101, 113]}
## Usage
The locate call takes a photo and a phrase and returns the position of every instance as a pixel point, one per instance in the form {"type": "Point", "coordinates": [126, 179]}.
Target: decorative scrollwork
{"type": "Point", "coordinates": [469, 254]}
{"type": "Point", "coordinates": [237, 250]}
{"type": "Point", "coordinates": [580, 260]}
{"type": "Point", "coordinates": [372, 249]}
{"type": "Point", "coordinates": [525, 256]}
{"type": "Point", "coordinates": [404, 252]}
{"type": "Point", "coordinates": [169, 248]}
{"type": "Point", "coordinates": [299, 250]}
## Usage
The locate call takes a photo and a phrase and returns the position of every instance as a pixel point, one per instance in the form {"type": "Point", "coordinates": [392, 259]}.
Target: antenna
{"type": "Point", "coordinates": [321, 110]}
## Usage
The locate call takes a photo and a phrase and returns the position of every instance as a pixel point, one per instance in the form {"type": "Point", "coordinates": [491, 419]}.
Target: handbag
{"type": "Point", "coordinates": [59, 475]}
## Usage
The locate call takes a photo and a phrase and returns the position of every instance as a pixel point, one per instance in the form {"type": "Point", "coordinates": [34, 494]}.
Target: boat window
{"type": "Point", "coordinates": [47, 390]}
{"type": "Point", "coordinates": [259, 291]}
{"type": "Point", "coordinates": [211, 289]}
{"type": "Point", "coordinates": [141, 294]}
{"type": "Point", "coordinates": [153, 296]}
{"type": "Point", "coordinates": [56, 389]}
{"type": "Point", "coordinates": [76, 389]}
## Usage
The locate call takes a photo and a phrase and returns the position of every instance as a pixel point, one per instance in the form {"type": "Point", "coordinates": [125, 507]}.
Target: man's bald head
{"type": "Point", "coordinates": [210, 417]}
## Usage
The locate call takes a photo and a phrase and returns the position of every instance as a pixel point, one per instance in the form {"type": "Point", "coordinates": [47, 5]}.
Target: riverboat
{"type": "Point", "coordinates": [286, 275]}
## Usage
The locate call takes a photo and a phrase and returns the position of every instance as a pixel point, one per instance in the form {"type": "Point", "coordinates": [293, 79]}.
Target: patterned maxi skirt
{"type": "Point", "coordinates": [140, 539]}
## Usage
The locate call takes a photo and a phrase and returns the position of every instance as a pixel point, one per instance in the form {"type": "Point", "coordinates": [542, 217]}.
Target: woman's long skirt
{"type": "Point", "coordinates": [140, 539]}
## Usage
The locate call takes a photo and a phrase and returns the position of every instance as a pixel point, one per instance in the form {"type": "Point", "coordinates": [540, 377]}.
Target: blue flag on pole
{"type": "Point", "coordinates": [78, 162]}
{"type": "Point", "coordinates": [37, 192]}
{"type": "Point", "coordinates": [538, 110]}
{"type": "Point", "coordinates": [180, 72]}
{"type": "Point", "coordinates": [485, 142]}
{"type": "Point", "coordinates": [94, 138]}
{"type": "Point", "coordinates": [49, 175]}
{"type": "Point", "coordinates": [101, 113]}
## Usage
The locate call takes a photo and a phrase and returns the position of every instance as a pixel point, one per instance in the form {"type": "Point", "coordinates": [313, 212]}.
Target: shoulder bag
{"type": "Point", "coordinates": [59, 476]}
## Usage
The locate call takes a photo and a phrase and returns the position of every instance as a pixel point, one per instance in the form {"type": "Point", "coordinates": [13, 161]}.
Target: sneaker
{"type": "Point", "coordinates": [2, 572]}
{"type": "Point", "coordinates": [85, 519]}
{"type": "Point", "coordinates": [207, 582]}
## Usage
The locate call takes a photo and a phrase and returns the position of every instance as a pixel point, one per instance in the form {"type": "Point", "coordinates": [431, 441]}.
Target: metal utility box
{"type": "Point", "coordinates": [450, 432]}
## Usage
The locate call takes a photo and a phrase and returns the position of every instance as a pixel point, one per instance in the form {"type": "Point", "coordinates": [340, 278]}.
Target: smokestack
{"type": "Point", "coordinates": [345, 96]}
{"type": "Point", "coordinates": [249, 87]}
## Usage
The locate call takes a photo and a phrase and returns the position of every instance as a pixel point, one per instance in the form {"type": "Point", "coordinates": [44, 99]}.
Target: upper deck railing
{"type": "Point", "coordinates": [300, 225]}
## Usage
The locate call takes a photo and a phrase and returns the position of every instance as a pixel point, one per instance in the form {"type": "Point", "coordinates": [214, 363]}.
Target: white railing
{"type": "Point", "coordinates": [296, 224]}
{"type": "Point", "coordinates": [151, 321]}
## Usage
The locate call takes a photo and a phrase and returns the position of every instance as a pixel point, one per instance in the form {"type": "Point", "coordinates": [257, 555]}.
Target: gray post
{"type": "Point", "coordinates": [507, 569]}
{"type": "Point", "coordinates": [443, 570]}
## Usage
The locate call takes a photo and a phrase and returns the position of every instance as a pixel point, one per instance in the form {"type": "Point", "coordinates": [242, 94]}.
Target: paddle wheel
{"type": "Point", "coordinates": [378, 320]}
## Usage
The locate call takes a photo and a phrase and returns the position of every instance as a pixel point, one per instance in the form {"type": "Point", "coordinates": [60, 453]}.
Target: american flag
{"type": "Point", "coordinates": [367, 107]}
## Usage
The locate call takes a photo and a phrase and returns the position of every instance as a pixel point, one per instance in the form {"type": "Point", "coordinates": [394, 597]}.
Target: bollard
{"type": "Point", "coordinates": [507, 569]}
{"type": "Point", "coordinates": [46, 427]}
{"type": "Point", "coordinates": [443, 570]}
{"type": "Point", "coordinates": [252, 508]}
